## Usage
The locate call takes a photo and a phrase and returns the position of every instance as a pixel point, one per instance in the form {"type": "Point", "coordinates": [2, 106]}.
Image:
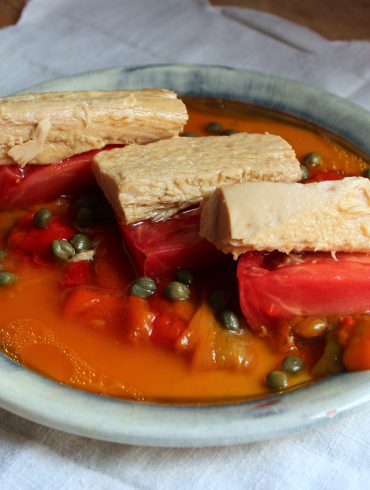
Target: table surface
{"type": "Point", "coordinates": [333, 19]}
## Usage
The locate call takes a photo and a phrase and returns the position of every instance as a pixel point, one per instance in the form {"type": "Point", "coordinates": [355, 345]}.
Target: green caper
{"type": "Point", "coordinates": [184, 276]}
{"type": "Point", "coordinates": [42, 218]}
{"type": "Point", "coordinates": [143, 287]}
{"type": "Point", "coordinates": [292, 364]}
{"type": "Point", "coordinates": [229, 132]}
{"type": "Point", "coordinates": [62, 250]}
{"type": "Point", "coordinates": [3, 254]}
{"type": "Point", "coordinates": [217, 299]}
{"type": "Point", "coordinates": [312, 159]}
{"type": "Point", "coordinates": [176, 291]}
{"type": "Point", "coordinates": [80, 242]}
{"type": "Point", "coordinates": [86, 216]}
{"type": "Point", "coordinates": [213, 127]}
{"type": "Point", "coordinates": [189, 134]}
{"type": "Point", "coordinates": [277, 380]}
{"type": "Point", "coordinates": [229, 320]}
{"type": "Point", "coordinates": [366, 173]}
{"type": "Point", "coordinates": [304, 172]}
{"type": "Point", "coordinates": [7, 279]}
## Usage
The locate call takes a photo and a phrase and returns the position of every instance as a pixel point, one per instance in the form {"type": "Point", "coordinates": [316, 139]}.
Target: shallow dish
{"type": "Point", "coordinates": [41, 400]}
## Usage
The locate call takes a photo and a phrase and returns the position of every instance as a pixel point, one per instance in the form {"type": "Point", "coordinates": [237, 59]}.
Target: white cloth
{"type": "Point", "coordinates": [56, 38]}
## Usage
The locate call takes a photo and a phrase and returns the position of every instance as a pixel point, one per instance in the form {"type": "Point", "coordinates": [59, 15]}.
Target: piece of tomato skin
{"type": "Point", "coordinates": [317, 286]}
{"type": "Point", "coordinates": [167, 328]}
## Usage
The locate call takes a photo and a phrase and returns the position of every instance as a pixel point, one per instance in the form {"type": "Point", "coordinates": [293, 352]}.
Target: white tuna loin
{"type": "Point", "coordinates": [157, 180]}
{"type": "Point", "coordinates": [49, 127]}
{"type": "Point", "coordinates": [326, 216]}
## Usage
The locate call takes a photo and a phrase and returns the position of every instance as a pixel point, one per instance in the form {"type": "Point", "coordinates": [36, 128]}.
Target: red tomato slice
{"type": "Point", "coordinates": [278, 287]}
{"type": "Point", "coordinates": [21, 187]}
{"type": "Point", "coordinates": [158, 249]}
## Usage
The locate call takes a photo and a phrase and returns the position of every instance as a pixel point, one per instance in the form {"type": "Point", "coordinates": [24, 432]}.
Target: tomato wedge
{"type": "Point", "coordinates": [159, 248]}
{"type": "Point", "coordinates": [21, 187]}
{"type": "Point", "coordinates": [275, 286]}
{"type": "Point", "coordinates": [38, 183]}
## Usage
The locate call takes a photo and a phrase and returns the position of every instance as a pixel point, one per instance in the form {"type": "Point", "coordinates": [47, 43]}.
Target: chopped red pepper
{"type": "Point", "coordinates": [137, 318]}
{"type": "Point", "coordinates": [37, 241]}
{"type": "Point", "coordinates": [77, 274]}
{"type": "Point", "coordinates": [167, 329]}
{"type": "Point", "coordinates": [90, 304]}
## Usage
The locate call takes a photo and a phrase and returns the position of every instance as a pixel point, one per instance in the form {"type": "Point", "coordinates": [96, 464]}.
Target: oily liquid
{"type": "Point", "coordinates": [99, 359]}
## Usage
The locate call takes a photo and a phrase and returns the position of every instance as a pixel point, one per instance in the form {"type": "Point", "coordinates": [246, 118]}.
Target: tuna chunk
{"type": "Point", "coordinates": [157, 180]}
{"type": "Point", "coordinates": [49, 127]}
{"type": "Point", "coordinates": [326, 216]}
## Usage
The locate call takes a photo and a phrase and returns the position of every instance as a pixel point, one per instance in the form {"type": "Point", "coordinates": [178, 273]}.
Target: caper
{"type": "Point", "coordinates": [143, 287]}
{"type": "Point", "coordinates": [86, 216]}
{"type": "Point", "coordinates": [304, 172]}
{"type": "Point", "coordinates": [277, 380]}
{"type": "Point", "coordinates": [229, 132]}
{"type": "Point", "coordinates": [366, 173]}
{"type": "Point", "coordinates": [176, 291]}
{"type": "Point", "coordinates": [81, 242]}
{"type": "Point", "coordinates": [184, 276]}
{"type": "Point", "coordinates": [292, 364]}
{"type": "Point", "coordinates": [213, 127]}
{"type": "Point", "coordinates": [229, 320]}
{"type": "Point", "coordinates": [189, 134]}
{"type": "Point", "coordinates": [62, 250]}
{"type": "Point", "coordinates": [217, 299]}
{"type": "Point", "coordinates": [7, 279]}
{"type": "Point", "coordinates": [311, 327]}
{"type": "Point", "coordinates": [312, 159]}
{"type": "Point", "coordinates": [3, 254]}
{"type": "Point", "coordinates": [42, 218]}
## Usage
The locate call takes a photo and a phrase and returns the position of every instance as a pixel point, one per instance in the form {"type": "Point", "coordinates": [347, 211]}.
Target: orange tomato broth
{"type": "Point", "coordinates": [100, 358]}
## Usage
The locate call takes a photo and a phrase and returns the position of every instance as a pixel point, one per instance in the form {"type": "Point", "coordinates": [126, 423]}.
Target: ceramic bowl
{"type": "Point", "coordinates": [34, 397]}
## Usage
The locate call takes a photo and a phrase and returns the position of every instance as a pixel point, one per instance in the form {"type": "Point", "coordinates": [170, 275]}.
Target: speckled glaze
{"type": "Point", "coordinates": [46, 402]}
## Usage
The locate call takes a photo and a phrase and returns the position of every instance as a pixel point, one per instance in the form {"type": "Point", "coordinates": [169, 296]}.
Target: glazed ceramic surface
{"type": "Point", "coordinates": [46, 402]}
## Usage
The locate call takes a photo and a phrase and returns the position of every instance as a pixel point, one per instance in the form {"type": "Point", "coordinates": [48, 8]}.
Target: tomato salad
{"type": "Point", "coordinates": [151, 310]}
